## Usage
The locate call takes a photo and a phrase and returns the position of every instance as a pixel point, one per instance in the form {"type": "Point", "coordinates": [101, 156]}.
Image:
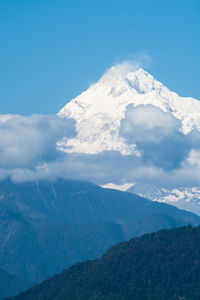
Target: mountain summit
{"type": "Point", "coordinates": [99, 110]}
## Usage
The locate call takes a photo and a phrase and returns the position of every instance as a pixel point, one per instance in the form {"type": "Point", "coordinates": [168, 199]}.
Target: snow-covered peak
{"type": "Point", "coordinates": [118, 72]}
{"type": "Point", "coordinates": [138, 80]}
{"type": "Point", "coordinates": [99, 110]}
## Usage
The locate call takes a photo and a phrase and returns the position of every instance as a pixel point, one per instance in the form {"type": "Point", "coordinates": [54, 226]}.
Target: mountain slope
{"type": "Point", "coordinates": [34, 249]}
{"type": "Point", "coordinates": [11, 285]}
{"type": "Point", "coordinates": [156, 266]}
{"type": "Point", "coordinates": [99, 110]}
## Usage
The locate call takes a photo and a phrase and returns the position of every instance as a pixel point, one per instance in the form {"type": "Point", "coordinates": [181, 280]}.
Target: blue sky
{"type": "Point", "coordinates": [50, 51]}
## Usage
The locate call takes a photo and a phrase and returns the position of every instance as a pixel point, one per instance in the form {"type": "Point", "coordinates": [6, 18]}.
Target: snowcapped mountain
{"type": "Point", "coordinates": [99, 110]}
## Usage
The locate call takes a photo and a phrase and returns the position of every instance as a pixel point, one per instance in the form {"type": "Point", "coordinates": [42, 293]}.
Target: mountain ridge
{"type": "Point", "coordinates": [77, 202]}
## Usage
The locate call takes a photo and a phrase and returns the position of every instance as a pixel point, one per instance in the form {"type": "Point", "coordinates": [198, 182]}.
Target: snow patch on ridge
{"type": "Point", "coordinates": [123, 187]}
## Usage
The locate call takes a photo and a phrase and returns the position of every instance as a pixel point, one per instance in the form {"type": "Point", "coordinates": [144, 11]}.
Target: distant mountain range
{"type": "Point", "coordinates": [181, 197]}
{"type": "Point", "coordinates": [48, 226]}
{"type": "Point", "coordinates": [158, 266]}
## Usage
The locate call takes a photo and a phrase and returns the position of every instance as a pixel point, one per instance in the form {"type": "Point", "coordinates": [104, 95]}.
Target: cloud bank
{"type": "Point", "coordinates": [165, 156]}
{"type": "Point", "coordinates": [26, 142]}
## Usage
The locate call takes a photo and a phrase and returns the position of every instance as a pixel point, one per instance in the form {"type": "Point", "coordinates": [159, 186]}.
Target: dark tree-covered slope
{"type": "Point", "coordinates": [159, 266]}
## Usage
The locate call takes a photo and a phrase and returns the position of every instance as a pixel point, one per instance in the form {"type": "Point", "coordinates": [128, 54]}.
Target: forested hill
{"type": "Point", "coordinates": [159, 266]}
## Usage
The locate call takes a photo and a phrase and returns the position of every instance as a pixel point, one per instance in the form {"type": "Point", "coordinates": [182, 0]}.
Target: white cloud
{"type": "Point", "coordinates": [27, 141]}
{"type": "Point", "coordinates": [148, 123]}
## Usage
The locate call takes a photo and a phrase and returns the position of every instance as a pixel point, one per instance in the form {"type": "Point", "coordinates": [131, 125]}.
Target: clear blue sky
{"type": "Point", "coordinates": [50, 51]}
